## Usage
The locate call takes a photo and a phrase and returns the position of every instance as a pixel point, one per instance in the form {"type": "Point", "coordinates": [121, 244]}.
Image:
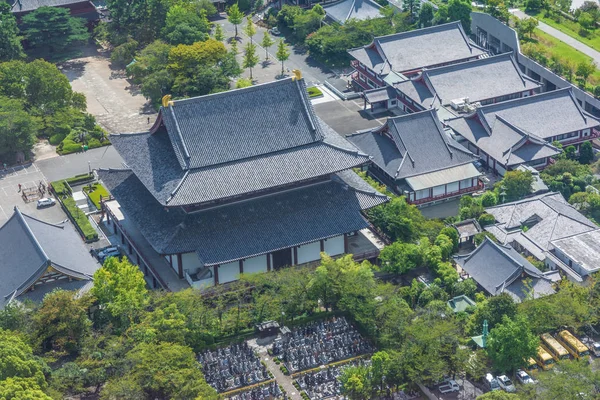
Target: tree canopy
{"type": "Point", "coordinates": [53, 29]}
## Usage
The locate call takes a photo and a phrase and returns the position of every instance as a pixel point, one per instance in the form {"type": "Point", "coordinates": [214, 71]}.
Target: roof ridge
{"type": "Point", "coordinates": [469, 63]}
{"type": "Point", "coordinates": [183, 178]}
{"type": "Point", "coordinates": [186, 153]}
{"type": "Point", "coordinates": [31, 235]}
{"type": "Point", "coordinates": [536, 97]}
{"type": "Point", "coordinates": [131, 133]}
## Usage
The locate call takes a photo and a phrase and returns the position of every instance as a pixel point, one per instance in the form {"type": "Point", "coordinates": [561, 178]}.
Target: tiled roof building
{"type": "Point", "coordinates": [441, 169]}
{"type": "Point", "coordinates": [243, 181]}
{"type": "Point", "coordinates": [36, 257]}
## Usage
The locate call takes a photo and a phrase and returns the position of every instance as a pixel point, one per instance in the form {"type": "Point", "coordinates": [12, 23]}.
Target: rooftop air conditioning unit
{"type": "Point", "coordinates": [457, 104]}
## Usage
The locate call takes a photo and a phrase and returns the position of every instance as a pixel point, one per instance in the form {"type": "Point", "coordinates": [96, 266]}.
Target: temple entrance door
{"type": "Point", "coordinates": [282, 258]}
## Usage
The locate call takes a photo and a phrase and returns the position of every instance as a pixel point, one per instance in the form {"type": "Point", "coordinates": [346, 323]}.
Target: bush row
{"type": "Point", "coordinates": [80, 219]}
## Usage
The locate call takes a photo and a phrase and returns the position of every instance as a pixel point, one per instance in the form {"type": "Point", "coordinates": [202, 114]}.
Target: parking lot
{"type": "Point", "coordinates": [28, 176]}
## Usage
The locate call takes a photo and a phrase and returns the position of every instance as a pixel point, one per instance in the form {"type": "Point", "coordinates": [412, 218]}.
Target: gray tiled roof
{"type": "Point", "coordinates": [31, 5]}
{"type": "Point", "coordinates": [152, 159]}
{"type": "Point", "coordinates": [504, 141]}
{"type": "Point", "coordinates": [497, 268]}
{"type": "Point", "coordinates": [583, 249]}
{"type": "Point", "coordinates": [419, 48]}
{"type": "Point", "coordinates": [543, 115]}
{"type": "Point", "coordinates": [555, 217]}
{"type": "Point", "coordinates": [404, 154]}
{"type": "Point", "coordinates": [249, 228]}
{"type": "Point", "coordinates": [157, 158]}
{"type": "Point", "coordinates": [344, 10]}
{"type": "Point", "coordinates": [242, 123]}
{"type": "Point", "coordinates": [29, 246]}
{"type": "Point", "coordinates": [479, 80]}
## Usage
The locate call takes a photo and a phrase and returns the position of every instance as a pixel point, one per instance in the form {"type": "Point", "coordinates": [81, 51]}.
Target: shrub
{"type": "Point", "coordinates": [597, 91]}
{"type": "Point", "coordinates": [486, 219]}
{"type": "Point", "coordinates": [56, 139]}
{"type": "Point", "coordinates": [79, 178]}
{"type": "Point", "coordinates": [80, 219]}
{"type": "Point", "coordinates": [123, 54]}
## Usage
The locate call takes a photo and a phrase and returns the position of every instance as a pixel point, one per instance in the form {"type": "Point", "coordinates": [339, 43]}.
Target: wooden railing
{"type": "Point", "coordinates": [479, 186]}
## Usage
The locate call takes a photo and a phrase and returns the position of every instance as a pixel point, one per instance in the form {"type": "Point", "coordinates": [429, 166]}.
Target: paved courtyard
{"type": "Point", "coordinates": [117, 106]}
{"type": "Point", "coordinates": [347, 117]}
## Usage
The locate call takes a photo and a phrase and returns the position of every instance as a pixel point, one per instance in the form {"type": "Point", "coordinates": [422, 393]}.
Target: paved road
{"type": "Point", "coordinates": [77, 163]}
{"type": "Point", "coordinates": [576, 44]}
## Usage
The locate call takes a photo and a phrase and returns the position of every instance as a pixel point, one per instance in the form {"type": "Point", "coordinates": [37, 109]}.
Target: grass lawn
{"type": "Point", "coordinates": [566, 52]}
{"type": "Point", "coordinates": [571, 28]}
{"type": "Point", "coordinates": [97, 191]}
{"type": "Point", "coordinates": [314, 92]}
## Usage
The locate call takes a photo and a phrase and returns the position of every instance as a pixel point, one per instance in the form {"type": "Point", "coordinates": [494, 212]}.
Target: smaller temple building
{"type": "Point", "coordinates": [521, 131]}
{"type": "Point", "coordinates": [37, 257]}
{"type": "Point", "coordinates": [78, 8]}
{"type": "Point", "coordinates": [412, 155]}
{"type": "Point", "coordinates": [501, 269]}
{"type": "Point", "coordinates": [393, 58]}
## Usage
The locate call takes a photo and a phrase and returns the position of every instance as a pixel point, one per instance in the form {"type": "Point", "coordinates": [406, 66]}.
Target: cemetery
{"type": "Point", "coordinates": [320, 343]}
{"type": "Point", "coordinates": [232, 367]}
{"type": "Point", "coordinates": [323, 383]}
{"type": "Point", "coordinates": [268, 391]}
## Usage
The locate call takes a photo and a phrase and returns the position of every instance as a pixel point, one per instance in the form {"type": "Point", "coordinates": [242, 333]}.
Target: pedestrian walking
{"type": "Point", "coordinates": [148, 119]}
{"type": "Point", "coordinates": [19, 188]}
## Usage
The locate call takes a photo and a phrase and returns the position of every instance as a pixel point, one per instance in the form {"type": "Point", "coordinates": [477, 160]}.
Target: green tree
{"type": "Point", "coordinates": [124, 53]}
{"type": "Point", "coordinates": [53, 29]}
{"type": "Point", "coordinates": [452, 233]}
{"type": "Point", "coordinates": [17, 360]}
{"type": "Point", "coordinates": [120, 288]}
{"type": "Point", "coordinates": [412, 7]}
{"type": "Point", "coordinates": [185, 24]}
{"type": "Point", "coordinates": [497, 9]}
{"type": "Point", "coordinates": [489, 199]}
{"type": "Point", "coordinates": [575, 380]}
{"type": "Point", "coordinates": [282, 54]}
{"type": "Point", "coordinates": [267, 42]}
{"type": "Point", "coordinates": [400, 257]}
{"type": "Point", "coordinates": [533, 5]}
{"type": "Point", "coordinates": [460, 10]}
{"type": "Point", "coordinates": [527, 26]}
{"type": "Point", "coordinates": [61, 323]}
{"type": "Point", "coordinates": [218, 34]}
{"type": "Point", "coordinates": [207, 6]}
{"type": "Point", "coordinates": [498, 395]}
{"type": "Point", "coordinates": [250, 28]}
{"type": "Point", "coordinates": [586, 153]}
{"type": "Point", "coordinates": [17, 127]}
{"type": "Point", "coordinates": [426, 15]}
{"type": "Point", "coordinates": [250, 57]}
{"type": "Point", "coordinates": [516, 184]}
{"type": "Point", "coordinates": [242, 83]}
{"type": "Point", "coordinates": [584, 70]}
{"type": "Point", "coordinates": [380, 363]}
{"type": "Point", "coordinates": [441, 15]}
{"type": "Point", "coordinates": [511, 343]}
{"type": "Point", "coordinates": [163, 370]}
{"type": "Point", "coordinates": [10, 42]}
{"type": "Point", "coordinates": [586, 20]}
{"type": "Point", "coordinates": [493, 310]}
{"type": "Point", "coordinates": [486, 219]}
{"type": "Point", "coordinates": [21, 389]}
{"type": "Point", "coordinates": [355, 382]}
{"type": "Point", "coordinates": [235, 16]}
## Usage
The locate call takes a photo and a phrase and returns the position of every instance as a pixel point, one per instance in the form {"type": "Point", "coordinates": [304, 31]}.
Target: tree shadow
{"type": "Point", "coordinates": [73, 69]}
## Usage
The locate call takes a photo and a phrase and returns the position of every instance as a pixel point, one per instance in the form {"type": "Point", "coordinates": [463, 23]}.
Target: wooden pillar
{"type": "Point", "coordinates": [137, 258]}
{"type": "Point", "coordinates": [295, 256]}
{"type": "Point", "coordinates": [346, 243]}
{"type": "Point", "coordinates": [180, 265]}
{"type": "Point", "coordinates": [129, 247]}
{"type": "Point", "coordinates": [322, 245]}
{"type": "Point", "coordinates": [268, 262]}
{"type": "Point", "coordinates": [216, 269]}
{"type": "Point", "coordinates": [122, 238]}
{"type": "Point", "coordinates": [241, 266]}
{"type": "Point", "coordinates": [154, 282]}
{"type": "Point", "coordinates": [114, 227]}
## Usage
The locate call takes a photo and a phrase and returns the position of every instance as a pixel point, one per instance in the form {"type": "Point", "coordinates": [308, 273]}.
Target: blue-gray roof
{"type": "Point", "coordinates": [500, 268]}
{"type": "Point", "coordinates": [20, 6]}
{"type": "Point", "coordinates": [420, 48]}
{"type": "Point", "coordinates": [29, 246]}
{"type": "Point", "coordinates": [344, 10]}
{"type": "Point", "coordinates": [263, 145]}
{"type": "Point", "coordinates": [478, 80]}
{"type": "Point", "coordinates": [544, 115]}
{"type": "Point", "coordinates": [398, 147]}
{"type": "Point", "coordinates": [244, 229]}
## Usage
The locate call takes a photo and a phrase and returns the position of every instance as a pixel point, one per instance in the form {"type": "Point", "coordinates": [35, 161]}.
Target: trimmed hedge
{"type": "Point", "coordinates": [80, 219]}
{"type": "Point", "coordinates": [79, 178]}
{"type": "Point", "coordinates": [314, 92]}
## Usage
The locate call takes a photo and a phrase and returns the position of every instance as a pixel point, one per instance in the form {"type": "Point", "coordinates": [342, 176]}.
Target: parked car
{"type": "Point", "coordinates": [274, 31]}
{"type": "Point", "coordinates": [112, 251]}
{"type": "Point", "coordinates": [491, 382]}
{"type": "Point", "coordinates": [595, 348]}
{"type": "Point", "coordinates": [46, 202]}
{"type": "Point", "coordinates": [523, 377]}
{"type": "Point", "coordinates": [506, 384]}
{"type": "Point", "coordinates": [449, 387]}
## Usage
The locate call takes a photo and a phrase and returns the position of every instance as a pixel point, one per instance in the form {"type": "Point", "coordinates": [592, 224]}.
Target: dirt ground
{"type": "Point", "coordinates": [118, 106]}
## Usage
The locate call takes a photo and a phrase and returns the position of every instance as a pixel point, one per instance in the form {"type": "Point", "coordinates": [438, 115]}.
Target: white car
{"type": "Point", "coordinates": [275, 31]}
{"type": "Point", "coordinates": [524, 378]}
{"type": "Point", "coordinates": [46, 202]}
{"type": "Point", "coordinates": [506, 384]}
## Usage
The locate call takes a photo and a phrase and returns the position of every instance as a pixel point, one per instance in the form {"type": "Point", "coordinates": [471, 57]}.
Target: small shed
{"type": "Point", "coordinates": [267, 328]}
{"type": "Point", "coordinates": [460, 303]}
{"type": "Point", "coordinates": [467, 230]}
